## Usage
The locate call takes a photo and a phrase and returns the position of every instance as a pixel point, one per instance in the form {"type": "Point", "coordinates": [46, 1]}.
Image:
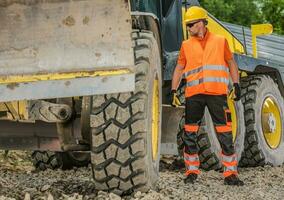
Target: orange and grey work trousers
{"type": "Point", "coordinates": [221, 117]}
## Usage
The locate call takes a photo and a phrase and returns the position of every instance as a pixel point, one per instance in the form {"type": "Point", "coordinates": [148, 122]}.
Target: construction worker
{"type": "Point", "coordinates": [206, 62]}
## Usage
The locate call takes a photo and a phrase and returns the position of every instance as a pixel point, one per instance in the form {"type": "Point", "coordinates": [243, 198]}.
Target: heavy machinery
{"type": "Point", "coordinates": [89, 77]}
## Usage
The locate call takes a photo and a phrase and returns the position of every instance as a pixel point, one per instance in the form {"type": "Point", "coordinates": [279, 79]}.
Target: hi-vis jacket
{"type": "Point", "coordinates": [205, 65]}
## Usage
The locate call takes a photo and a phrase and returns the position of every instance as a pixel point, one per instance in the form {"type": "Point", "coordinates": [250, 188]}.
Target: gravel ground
{"type": "Point", "coordinates": [19, 180]}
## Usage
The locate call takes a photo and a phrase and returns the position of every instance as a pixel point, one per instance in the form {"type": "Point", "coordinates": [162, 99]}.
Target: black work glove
{"type": "Point", "coordinates": [175, 102]}
{"type": "Point", "coordinates": [237, 90]}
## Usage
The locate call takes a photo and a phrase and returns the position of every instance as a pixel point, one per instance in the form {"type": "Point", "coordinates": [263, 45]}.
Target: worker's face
{"type": "Point", "coordinates": [195, 27]}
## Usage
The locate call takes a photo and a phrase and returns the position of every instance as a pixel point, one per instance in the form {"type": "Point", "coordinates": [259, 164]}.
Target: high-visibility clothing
{"type": "Point", "coordinates": [191, 128]}
{"type": "Point", "coordinates": [223, 128]}
{"type": "Point", "coordinates": [221, 116]}
{"type": "Point", "coordinates": [191, 163]}
{"type": "Point", "coordinates": [205, 65]}
{"type": "Point", "coordinates": [230, 165]}
{"type": "Point", "coordinates": [195, 13]}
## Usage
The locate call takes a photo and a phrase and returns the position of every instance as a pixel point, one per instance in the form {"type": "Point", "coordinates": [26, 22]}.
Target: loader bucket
{"type": "Point", "coordinates": [43, 42]}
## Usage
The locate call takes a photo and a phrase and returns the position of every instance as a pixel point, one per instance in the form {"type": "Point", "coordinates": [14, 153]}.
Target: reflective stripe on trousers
{"type": "Point", "coordinates": [191, 128]}
{"type": "Point", "coordinates": [230, 164]}
{"type": "Point", "coordinates": [191, 163]}
{"type": "Point", "coordinates": [223, 128]}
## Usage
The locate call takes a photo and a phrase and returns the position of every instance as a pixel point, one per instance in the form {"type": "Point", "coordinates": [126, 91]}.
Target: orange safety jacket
{"type": "Point", "coordinates": [206, 70]}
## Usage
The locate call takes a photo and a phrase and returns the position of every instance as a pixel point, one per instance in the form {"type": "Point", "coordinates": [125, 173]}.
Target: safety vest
{"type": "Point", "coordinates": [206, 71]}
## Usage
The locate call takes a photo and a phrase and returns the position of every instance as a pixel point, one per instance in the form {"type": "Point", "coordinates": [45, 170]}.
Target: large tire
{"type": "Point", "coordinates": [255, 90]}
{"type": "Point", "coordinates": [75, 159]}
{"type": "Point", "coordinates": [43, 160]}
{"type": "Point", "coordinates": [121, 126]}
{"type": "Point", "coordinates": [209, 147]}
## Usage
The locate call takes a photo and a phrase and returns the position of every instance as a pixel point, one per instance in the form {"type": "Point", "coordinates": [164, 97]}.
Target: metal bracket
{"type": "Point", "coordinates": [170, 125]}
{"type": "Point", "coordinates": [257, 30]}
{"type": "Point", "coordinates": [49, 112]}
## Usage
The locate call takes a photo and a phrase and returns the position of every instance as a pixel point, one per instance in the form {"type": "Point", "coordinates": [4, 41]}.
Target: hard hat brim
{"type": "Point", "coordinates": [190, 21]}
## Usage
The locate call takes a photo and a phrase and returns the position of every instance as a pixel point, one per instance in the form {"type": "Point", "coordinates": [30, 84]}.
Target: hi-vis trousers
{"type": "Point", "coordinates": [221, 117]}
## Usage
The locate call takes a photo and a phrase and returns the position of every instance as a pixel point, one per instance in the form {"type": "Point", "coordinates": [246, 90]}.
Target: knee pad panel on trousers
{"type": "Point", "coordinates": [226, 142]}
{"type": "Point", "coordinates": [190, 142]}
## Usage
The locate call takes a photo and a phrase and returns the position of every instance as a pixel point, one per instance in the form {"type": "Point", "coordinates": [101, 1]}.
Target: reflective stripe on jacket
{"type": "Point", "coordinates": [206, 70]}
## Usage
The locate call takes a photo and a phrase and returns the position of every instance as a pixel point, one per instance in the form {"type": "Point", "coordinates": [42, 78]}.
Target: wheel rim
{"type": "Point", "coordinates": [155, 119]}
{"type": "Point", "coordinates": [271, 122]}
{"type": "Point", "coordinates": [233, 111]}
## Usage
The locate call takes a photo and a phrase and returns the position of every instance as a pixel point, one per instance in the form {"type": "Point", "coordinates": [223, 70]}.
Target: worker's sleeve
{"type": "Point", "coordinates": [227, 52]}
{"type": "Point", "coordinates": [181, 58]}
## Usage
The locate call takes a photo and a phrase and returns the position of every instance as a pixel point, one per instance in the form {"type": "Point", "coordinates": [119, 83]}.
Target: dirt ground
{"type": "Point", "coordinates": [19, 180]}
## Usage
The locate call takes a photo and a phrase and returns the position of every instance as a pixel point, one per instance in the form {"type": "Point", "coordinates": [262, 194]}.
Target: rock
{"type": "Point", "coordinates": [27, 196]}
{"type": "Point", "coordinates": [260, 183]}
{"type": "Point", "coordinates": [138, 194]}
{"type": "Point", "coordinates": [102, 195]}
{"type": "Point", "coordinates": [113, 196]}
{"type": "Point", "coordinates": [78, 197]}
{"type": "Point", "coordinates": [6, 198]}
{"type": "Point", "coordinates": [204, 198]}
{"type": "Point", "coordinates": [30, 190]}
{"type": "Point", "coordinates": [50, 197]}
{"type": "Point", "coordinates": [64, 196]}
{"type": "Point", "coordinates": [44, 188]}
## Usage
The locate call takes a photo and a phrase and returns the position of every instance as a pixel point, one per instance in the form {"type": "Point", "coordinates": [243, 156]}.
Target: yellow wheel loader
{"type": "Point", "coordinates": [84, 81]}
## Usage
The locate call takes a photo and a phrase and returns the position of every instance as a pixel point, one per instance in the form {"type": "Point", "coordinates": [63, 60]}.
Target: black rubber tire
{"type": "Point", "coordinates": [74, 159]}
{"type": "Point", "coordinates": [209, 147]}
{"type": "Point", "coordinates": [255, 89]}
{"type": "Point", "coordinates": [180, 144]}
{"type": "Point", "coordinates": [43, 160]}
{"type": "Point", "coordinates": [121, 127]}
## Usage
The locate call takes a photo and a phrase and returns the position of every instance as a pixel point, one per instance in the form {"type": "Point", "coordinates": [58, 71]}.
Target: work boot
{"type": "Point", "coordinates": [190, 178]}
{"type": "Point", "coordinates": [233, 180]}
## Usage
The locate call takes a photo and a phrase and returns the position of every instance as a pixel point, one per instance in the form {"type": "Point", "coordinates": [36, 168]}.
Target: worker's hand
{"type": "Point", "coordinates": [175, 102]}
{"type": "Point", "coordinates": [237, 91]}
